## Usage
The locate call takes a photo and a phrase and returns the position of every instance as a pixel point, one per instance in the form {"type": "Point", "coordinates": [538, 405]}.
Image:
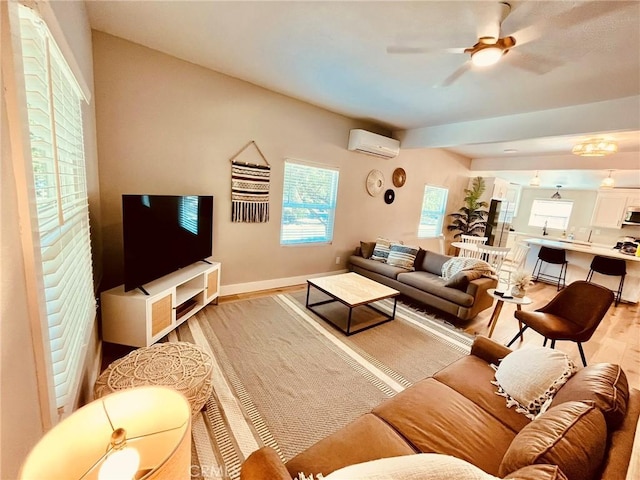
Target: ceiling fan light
{"type": "Point", "coordinates": [595, 148]}
{"type": "Point", "coordinates": [484, 57]}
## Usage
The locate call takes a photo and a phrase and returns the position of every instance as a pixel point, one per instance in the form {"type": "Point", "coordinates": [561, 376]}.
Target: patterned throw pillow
{"type": "Point", "coordinates": [402, 256]}
{"type": "Point", "coordinates": [381, 250]}
{"type": "Point", "coordinates": [530, 377]}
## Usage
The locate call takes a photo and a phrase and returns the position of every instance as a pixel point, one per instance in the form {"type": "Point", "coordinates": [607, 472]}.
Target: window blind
{"type": "Point", "coordinates": [308, 204]}
{"type": "Point", "coordinates": [434, 202]}
{"type": "Point", "coordinates": [60, 197]}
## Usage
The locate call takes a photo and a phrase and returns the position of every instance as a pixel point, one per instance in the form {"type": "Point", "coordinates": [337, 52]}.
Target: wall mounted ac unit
{"type": "Point", "coordinates": [373, 144]}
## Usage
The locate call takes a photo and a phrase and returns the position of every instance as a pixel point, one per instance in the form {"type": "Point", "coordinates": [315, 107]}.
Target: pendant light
{"type": "Point", "coordinates": [557, 195]}
{"type": "Point", "coordinates": [608, 182]}
{"type": "Point", "coordinates": [535, 181]}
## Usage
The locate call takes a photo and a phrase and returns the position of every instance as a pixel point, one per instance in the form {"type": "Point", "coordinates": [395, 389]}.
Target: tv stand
{"type": "Point", "coordinates": [143, 290]}
{"type": "Point", "coordinates": [143, 316]}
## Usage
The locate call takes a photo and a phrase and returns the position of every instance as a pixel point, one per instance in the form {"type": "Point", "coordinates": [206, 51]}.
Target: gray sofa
{"type": "Point", "coordinates": [464, 297]}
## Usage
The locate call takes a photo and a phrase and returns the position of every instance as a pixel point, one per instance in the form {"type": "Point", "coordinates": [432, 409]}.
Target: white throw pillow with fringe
{"type": "Point", "coordinates": [529, 378]}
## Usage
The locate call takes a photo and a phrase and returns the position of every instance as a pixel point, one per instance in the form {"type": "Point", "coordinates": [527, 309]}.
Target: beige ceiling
{"type": "Point", "coordinates": [574, 72]}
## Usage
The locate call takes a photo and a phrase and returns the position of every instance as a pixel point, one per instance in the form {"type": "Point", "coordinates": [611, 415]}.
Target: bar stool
{"type": "Point", "coordinates": [614, 267]}
{"type": "Point", "coordinates": [554, 256]}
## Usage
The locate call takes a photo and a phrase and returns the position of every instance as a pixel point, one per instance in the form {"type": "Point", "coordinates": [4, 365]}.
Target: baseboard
{"type": "Point", "coordinates": [248, 287]}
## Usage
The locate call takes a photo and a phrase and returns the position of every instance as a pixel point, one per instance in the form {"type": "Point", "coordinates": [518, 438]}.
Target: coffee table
{"type": "Point", "coordinates": [496, 311]}
{"type": "Point", "coordinates": [352, 290]}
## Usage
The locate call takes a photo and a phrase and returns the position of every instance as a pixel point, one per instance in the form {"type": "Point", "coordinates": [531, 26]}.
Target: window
{"type": "Point", "coordinates": [434, 202]}
{"type": "Point", "coordinates": [550, 213]}
{"type": "Point", "coordinates": [59, 199]}
{"type": "Point", "coordinates": [308, 204]}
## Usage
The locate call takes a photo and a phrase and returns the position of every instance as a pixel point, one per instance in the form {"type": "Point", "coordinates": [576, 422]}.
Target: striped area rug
{"type": "Point", "coordinates": [285, 378]}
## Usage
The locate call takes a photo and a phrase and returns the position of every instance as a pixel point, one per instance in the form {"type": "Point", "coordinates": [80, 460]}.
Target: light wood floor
{"type": "Point", "coordinates": [617, 339]}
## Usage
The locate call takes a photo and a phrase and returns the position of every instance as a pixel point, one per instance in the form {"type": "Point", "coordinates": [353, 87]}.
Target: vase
{"type": "Point", "coordinates": [517, 292]}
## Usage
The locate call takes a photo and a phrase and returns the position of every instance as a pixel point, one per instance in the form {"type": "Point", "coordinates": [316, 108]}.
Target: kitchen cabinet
{"type": "Point", "coordinates": [611, 206]}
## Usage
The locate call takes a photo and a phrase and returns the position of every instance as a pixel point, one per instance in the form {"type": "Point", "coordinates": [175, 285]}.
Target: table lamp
{"type": "Point", "coordinates": [140, 433]}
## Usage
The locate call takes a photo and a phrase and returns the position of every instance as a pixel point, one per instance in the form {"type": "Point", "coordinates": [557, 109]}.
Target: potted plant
{"type": "Point", "coordinates": [521, 280]}
{"type": "Point", "coordinates": [471, 219]}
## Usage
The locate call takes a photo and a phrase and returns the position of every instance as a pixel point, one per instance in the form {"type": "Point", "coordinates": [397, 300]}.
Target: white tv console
{"type": "Point", "coordinates": [139, 320]}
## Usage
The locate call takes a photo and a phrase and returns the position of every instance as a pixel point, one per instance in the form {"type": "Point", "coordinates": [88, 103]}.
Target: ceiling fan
{"type": "Point", "coordinates": [491, 46]}
{"type": "Point", "coordinates": [488, 50]}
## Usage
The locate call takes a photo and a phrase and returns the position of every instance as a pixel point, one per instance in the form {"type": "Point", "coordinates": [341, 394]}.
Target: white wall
{"type": "Point", "coordinates": [168, 126]}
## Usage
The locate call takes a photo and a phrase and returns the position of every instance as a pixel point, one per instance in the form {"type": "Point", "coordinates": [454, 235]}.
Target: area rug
{"type": "Point", "coordinates": [285, 378]}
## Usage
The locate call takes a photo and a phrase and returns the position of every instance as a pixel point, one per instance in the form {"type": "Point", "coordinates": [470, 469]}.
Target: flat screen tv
{"type": "Point", "coordinates": [163, 233]}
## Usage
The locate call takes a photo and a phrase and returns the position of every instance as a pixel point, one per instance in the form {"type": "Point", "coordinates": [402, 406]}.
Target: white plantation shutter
{"type": "Point", "coordinates": [60, 197]}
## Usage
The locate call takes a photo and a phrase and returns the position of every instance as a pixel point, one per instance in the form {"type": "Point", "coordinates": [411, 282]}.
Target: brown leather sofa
{"type": "Point", "coordinates": [425, 284]}
{"type": "Point", "coordinates": [456, 412]}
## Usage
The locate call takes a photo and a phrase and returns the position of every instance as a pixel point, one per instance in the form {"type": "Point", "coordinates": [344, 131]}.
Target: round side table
{"type": "Point", "coordinates": [496, 311]}
{"type": "Point", "coordinates": [183, 366]}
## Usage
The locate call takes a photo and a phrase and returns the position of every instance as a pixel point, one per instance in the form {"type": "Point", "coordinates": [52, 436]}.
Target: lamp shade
{"type": "Point", "coordinates": [156, 424]}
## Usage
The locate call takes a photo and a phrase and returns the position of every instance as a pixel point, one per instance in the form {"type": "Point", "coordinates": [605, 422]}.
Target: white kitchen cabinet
{"type": "Point", "coordinates": [633, 199]}
{"type": "Point", "coordinates": [611, 206]}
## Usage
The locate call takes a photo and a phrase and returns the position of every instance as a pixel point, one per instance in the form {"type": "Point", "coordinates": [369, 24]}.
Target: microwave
{"type": "Point", "coordinates": [632, 216]}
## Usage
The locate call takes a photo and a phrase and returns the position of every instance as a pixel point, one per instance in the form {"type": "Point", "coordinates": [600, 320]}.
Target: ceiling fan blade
{"type": "Point", "coordinates": [405, 49]}
{"type": "Point", "coordinates": [461, 70]}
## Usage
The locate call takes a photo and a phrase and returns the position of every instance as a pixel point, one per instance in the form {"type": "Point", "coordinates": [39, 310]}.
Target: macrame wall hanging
{"type": "Point", "coordinates": [250, 189]}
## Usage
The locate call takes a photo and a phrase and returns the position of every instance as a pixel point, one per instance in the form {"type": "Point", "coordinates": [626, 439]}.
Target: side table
{"type": "Point", "coordinates": [496, 311]}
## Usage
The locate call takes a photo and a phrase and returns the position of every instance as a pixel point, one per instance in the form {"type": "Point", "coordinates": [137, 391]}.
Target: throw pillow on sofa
{"type": "Point", "coordinates": [605, 384]}
{"type": "Point", "coordinates": [430, 466]}
{"type": "Point", "coordinates": [421, 466]}
{"type": "Point", "coordinates": [366, 249]}
{"type": "Point", "coordinates": [529, 378]}
{"type": "Point", "coordinates": [572, 436]}
{"type": "Point", "coordinates": [381, 250]}
{"type": "Point", "coordinates": [403, 256]}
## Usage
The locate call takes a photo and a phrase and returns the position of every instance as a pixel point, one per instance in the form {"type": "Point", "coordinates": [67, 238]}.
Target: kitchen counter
{"type": "Point", "coordinates": [579, 256]}
{"type": "Point", "coordinates": [584, 247]}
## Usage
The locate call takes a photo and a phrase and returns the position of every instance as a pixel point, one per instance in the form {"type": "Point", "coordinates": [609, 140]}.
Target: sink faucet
{"type": "Point", "coordinates": [544, 229]}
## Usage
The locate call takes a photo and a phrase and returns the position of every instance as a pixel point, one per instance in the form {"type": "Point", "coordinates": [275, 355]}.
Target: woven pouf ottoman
{"type": "Point", "coordinates": [182, 366]}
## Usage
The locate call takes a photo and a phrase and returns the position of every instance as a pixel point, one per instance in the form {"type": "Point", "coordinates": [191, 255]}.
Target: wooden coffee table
{"type": "Point", "coordinates": [352, 290]}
